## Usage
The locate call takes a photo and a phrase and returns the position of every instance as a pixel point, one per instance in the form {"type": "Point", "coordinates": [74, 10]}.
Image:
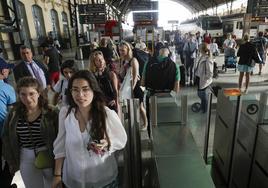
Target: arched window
{"type": "Point", "coordinates": [55, 23]}
{"type": "Point", "coordinates": [38, 21]}
{"type": "Point", "coordinates": [66, 32]}
{"type": "Point", "coordinates": [24, 32]}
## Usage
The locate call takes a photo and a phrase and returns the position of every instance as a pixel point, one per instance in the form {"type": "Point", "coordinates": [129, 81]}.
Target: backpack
{"type": "Point", "coordinates": [142, 57]}
{"type": "Point", "coordinates": [160, 76]}
{"type": "Point", "coordinates": [188, 51]}
{"type": "Point", "coordinates": [260, 44]}
{"type": "Point", "coordinates": [215, 70]}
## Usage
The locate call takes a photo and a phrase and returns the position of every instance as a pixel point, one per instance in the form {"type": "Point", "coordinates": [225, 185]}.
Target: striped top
{"type": "Point", "coordinates": [29, 133]}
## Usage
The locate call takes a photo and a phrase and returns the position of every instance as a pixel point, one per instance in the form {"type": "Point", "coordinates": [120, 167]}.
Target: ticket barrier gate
{"type": "Point", "coordinates": [130, 165]}
{"type": "Point", "coordinates": [240, 141]}
{"type": "Point", "coordinates": [176, 159]}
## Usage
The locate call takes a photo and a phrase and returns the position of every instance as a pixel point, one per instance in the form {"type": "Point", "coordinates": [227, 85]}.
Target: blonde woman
{"type": "Point", "coordinates": [204, 75]}
{"type": "Point", "coordinates": [129, 72]}
{"type": "Point", "coordinates": [106, 79]}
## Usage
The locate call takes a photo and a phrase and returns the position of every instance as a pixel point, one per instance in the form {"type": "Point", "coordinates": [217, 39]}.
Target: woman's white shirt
{"type": "Point", "coordinates": [83, 168]}
{"type": "Point", "coordinates": [60, 87]}
{"type": "Point", "coordinates": [204, 71]}
{"type": "Point", "coordinates": [214, 48]}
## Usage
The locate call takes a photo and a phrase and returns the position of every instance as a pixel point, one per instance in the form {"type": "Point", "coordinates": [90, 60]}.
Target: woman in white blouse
{"type": "Point", "coordinates": [89, 133]}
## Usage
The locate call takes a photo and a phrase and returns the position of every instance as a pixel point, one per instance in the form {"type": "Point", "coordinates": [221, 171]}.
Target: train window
{"type": "Point", "coordinates": [239, 25]}
{"type": "Point", "coordinates": [228, 28]}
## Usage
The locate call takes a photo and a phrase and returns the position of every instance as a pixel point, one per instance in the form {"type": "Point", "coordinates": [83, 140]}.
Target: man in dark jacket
{"type": "Point", "coordinates": [52, 60]}
{"type": "Point", "coordinates": [30, 67]}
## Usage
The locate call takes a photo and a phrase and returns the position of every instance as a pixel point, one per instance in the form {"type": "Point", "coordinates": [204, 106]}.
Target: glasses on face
{"type": "Point", "coordinates": [84, 91]}
{"type": "Point", "coordinates": [31, 94]}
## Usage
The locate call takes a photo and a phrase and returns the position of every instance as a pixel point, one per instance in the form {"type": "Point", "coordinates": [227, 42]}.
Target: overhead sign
{"type": "Point", "coordinates": [92, 19]}
{"type": "Point", "coordinates": [92, 13]}
{"type": "Point", "coordinates": [145, 16]}
{"type": "Point", "coordinates": [143, 5]}
{"type": "Point", "coordinates": [7, 29]}
{"type": "Point", "coordinates": [260, 8]}
{"type": "Point", "coordinates": [146, 23]}
{"type": "Point", "coordinates": [91, 8]}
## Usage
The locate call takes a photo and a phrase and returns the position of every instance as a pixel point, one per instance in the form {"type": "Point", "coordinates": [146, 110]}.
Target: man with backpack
{"type": "Point", "coordinates": [261, 44]}
{"type": "Point", "coordinates": [190, 53]}
{"type": "Point", "coordinates": [161, 74]}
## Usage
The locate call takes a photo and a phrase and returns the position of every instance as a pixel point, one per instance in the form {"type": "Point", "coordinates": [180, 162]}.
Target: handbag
{"type": "Point", "coordinates": [126, 89]}
{"type": "Point", "coordinates": [259, 57]}
{"type": "Point", "coordinates": [43, 159]}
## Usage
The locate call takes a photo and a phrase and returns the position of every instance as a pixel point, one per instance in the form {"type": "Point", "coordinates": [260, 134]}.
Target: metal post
{"type": "Point", "coordinates": [127, 150]}
{"type": "Point", "coordinates": [205, 156]}
{"type": "Point", "coordinates": [153, 110]}
{"type": "Point", "coordinates": [235, 135]}
{"type": "Point", "coordinates": [262, 105]}
{"type": "Point", "coordinates": [136, 144]}
{"type": "Point", "coordinates": [153, 114]}
{"type": "Point", "coordinates": [184, 110]}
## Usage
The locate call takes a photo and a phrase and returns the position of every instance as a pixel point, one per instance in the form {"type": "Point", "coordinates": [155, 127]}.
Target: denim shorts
{"type": "Point", "coordinates": [244, 68]}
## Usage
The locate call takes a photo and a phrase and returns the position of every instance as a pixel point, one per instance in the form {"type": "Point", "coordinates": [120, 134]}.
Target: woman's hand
{"type": "Point", "coordinates": [112, 103]}
{"type": "Point", "coordinates": [98, 147]}
{"type": "Point", "coordinates": [57, 183]}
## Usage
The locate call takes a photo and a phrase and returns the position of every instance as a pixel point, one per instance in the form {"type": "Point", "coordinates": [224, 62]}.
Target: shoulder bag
{"type": "Point", "coordinates": [43, 159]}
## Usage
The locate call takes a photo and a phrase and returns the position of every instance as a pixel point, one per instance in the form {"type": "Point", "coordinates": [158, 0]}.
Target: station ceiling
{"type": "Point", "coordinates": [193, 5]}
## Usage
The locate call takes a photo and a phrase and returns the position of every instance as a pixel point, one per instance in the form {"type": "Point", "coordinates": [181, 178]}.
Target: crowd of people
{"type": "Point", "coordinates": [71, 140]}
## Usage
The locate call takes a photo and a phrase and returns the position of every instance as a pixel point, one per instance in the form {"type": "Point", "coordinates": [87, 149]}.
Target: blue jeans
{"type": "Point", "coordinates": [203, 95]}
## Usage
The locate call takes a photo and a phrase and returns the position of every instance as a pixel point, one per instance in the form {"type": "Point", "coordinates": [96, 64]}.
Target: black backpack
{"type": "Point", "coordinates": [142, 58]}
{"type": "Point", "coordinates": [160, 76]}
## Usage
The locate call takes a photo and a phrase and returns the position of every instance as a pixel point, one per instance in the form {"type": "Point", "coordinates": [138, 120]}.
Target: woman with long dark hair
{"type": "Point", "coordinates": [89, 134]}
{"type": "Point", "coordinates": [29, 132]}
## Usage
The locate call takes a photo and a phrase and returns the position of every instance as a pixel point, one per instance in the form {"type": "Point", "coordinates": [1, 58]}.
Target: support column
{"type": "Point", "coordinates": [250, 6]}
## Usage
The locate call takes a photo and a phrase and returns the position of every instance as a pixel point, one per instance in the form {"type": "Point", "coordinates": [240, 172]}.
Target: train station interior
{"type": "Point", "coordinates": [188, 143]}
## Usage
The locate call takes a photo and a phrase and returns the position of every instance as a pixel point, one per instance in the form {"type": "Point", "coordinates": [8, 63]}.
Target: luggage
{"type": "Point", "coordinates": [183, 75]}
{"type": "Point", "coordinates": [215, 70]}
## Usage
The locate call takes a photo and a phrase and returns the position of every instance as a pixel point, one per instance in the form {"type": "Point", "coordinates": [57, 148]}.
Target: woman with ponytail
{"type": "Point", "coordinates": [89, 134]}
{"type": "Point", "coordinates": [204, 75]}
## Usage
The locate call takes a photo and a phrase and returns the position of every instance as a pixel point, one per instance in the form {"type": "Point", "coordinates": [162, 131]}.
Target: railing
{"type": "Point", "coordinates": [132, 152]}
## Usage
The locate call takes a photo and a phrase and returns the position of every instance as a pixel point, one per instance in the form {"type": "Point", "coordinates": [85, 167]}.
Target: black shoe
{"type": "Point", "coordinates": [13, 186]}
